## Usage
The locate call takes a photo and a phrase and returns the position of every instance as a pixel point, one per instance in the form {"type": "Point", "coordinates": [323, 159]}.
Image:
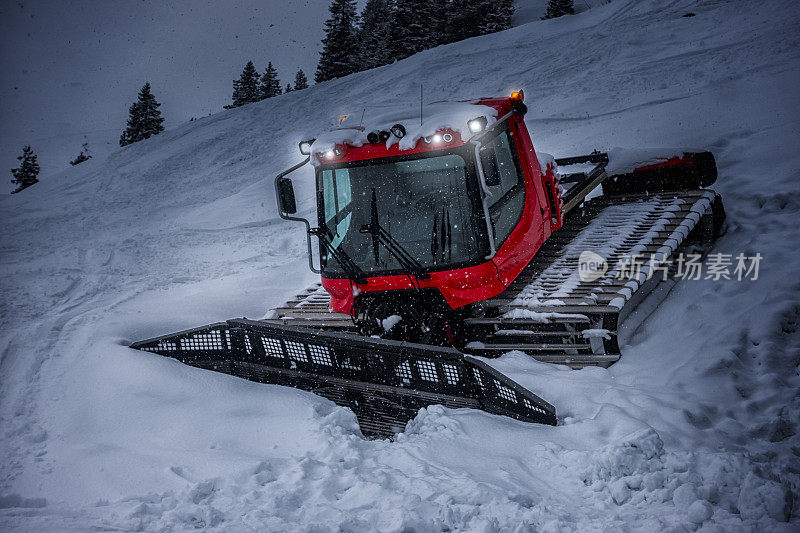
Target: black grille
{"type": "Point", "coordinates": [384, 382]}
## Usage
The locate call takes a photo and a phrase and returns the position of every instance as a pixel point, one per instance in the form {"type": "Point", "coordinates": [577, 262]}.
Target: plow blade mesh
{"type": "Point", "coordinates": [384, 382]}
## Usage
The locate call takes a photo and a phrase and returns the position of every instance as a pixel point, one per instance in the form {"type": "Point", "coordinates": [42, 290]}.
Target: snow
{"type": "Point", "coordinates": [181, 230]}
{"type": "Point", "coordinates": [597, 333]}
{"type": "Point", "coordinates": [390, 322]}
{"type": "Point", "coordinates": [546, 160]}
{"type": "Point", "coordinates": [699, 511]}
{"type": "Point", "coordinates": [540, 317]}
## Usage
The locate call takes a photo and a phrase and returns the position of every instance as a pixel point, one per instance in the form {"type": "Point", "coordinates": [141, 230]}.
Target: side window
{"type": "Point", "coordinates": [337, 198]}
{"type": "Point", "coordinates": [508, 198]}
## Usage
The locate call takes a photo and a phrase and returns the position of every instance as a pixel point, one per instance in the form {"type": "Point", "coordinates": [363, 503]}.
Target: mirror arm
{"type": "Point", "coordinates": [286, 216]}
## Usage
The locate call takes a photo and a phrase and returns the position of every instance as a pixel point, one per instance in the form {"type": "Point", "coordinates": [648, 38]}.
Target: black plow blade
{"type": "Point", "coordinates": [383, 382]}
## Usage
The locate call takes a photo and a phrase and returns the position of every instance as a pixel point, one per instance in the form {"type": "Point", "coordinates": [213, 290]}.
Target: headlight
{"type": "Point", "coordinates": [477, 125]}
{"type": "Point", "coordinates": [398, 130]}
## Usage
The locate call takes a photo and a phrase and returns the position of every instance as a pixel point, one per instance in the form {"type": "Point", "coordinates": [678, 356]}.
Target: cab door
{"type": "Point", "coordinates": [516, 211]}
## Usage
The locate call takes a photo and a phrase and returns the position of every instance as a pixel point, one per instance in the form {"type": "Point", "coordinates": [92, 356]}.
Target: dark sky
{"type": "Point", "coordinates": [70, 68]}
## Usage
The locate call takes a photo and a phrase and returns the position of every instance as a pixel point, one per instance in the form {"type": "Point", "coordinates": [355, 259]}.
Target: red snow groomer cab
{"type": "Point", "coordinates": [418, 219]}
{"type": "Point", "coordinates": [442, 234]}
{"type": "Point", "coordinates": [441, 218]}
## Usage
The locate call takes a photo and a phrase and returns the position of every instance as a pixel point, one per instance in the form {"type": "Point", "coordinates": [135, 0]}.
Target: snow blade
{"type": "Point", "coordinates": [384, 382]}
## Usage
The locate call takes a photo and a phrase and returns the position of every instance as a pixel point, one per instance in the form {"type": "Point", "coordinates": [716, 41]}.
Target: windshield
{"type": "Point", "coordinates": [422, 203]}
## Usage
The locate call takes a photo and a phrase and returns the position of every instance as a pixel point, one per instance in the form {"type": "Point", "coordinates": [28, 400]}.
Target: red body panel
{"type": "Point", "coordinates": [536, 223]}
{"type": "Point", "coordinates": [460, 287]}
{"type": "Point", "coordinates": [684, 161]}
{"type": "Point", "coordinates": [464, 286]}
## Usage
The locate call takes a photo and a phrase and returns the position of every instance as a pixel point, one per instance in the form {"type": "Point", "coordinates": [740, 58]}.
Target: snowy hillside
{"type": "Point", "coordinates": [697, 424]}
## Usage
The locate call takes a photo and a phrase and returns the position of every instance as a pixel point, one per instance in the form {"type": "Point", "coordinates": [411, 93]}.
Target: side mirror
{"type": "Point", "coordinates": [286, 200]}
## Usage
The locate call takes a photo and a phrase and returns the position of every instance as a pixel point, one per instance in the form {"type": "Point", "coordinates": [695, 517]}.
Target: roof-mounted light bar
{"type": "Point", "coordinates": [333, 153]}
{"type": "Point", "coordinates": [439, 138]}
{"type": "Point", "coordinates": [478, 127]}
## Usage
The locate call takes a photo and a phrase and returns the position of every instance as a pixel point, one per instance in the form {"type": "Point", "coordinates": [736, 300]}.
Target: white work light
{"type": "Point", "coordinates": [477, 125]}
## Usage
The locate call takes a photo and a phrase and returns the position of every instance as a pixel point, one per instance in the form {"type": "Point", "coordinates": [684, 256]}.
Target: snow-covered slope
{"type": "Point", "coordinates": [697, 424]}
{"type": "Point", "coordinates": [526, 11]}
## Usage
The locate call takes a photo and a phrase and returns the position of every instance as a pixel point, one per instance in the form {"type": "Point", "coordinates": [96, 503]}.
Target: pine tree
{"type": "Point", "coordinates": [245, 89]}
{"type": "Point", "coordinates": [300, 80]}
{"type": "Point", "coordinates": [558, 8]}
{"type": "Point", "coordinates": [270, 84]}
{"type": "Point", "coordinates": [26, 174]}
{"type": "Point", "coordinates": [339, 56]}
{"type": "Point", "coordinates": [440, 10]}
{"type": "Point", "coordinates": [144, 118]}
{"type": "Point", "coordinates": [413, 28]}
{"type": "Point", "coordinates": [152, 121]}
{"type": "Point", "coordinates": [288, 88]}
{"type": "Point", "coordinates": [83, 156]}
{"type": "Point", "coordinates": [373, 34]}
{"type": "Point", "coordinates": [470, 18]}
{"type": "Point", "coordinates": [498, 17]}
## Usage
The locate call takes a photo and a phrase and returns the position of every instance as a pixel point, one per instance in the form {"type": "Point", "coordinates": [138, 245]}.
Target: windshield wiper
{"type": "Point", "coordinates": [349, 266]}
{"type": "Point", "coordinates": [441, 237]}
{"type": "Point", "coordinates": [380, 235]}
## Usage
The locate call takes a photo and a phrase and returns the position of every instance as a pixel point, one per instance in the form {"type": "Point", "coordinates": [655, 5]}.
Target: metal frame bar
{"type": "Point", "coordinates": [475, 140]}
{"type": "Point", "coordinates": [577, 193]}
{"type": "Point", "coordinates": [287, 216]}
{"type": "Point", "coordinates": [585, 182]}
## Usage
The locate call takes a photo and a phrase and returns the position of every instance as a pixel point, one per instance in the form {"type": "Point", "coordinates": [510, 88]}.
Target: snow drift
{"type": "Point", "coordinates": [696, 425]}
